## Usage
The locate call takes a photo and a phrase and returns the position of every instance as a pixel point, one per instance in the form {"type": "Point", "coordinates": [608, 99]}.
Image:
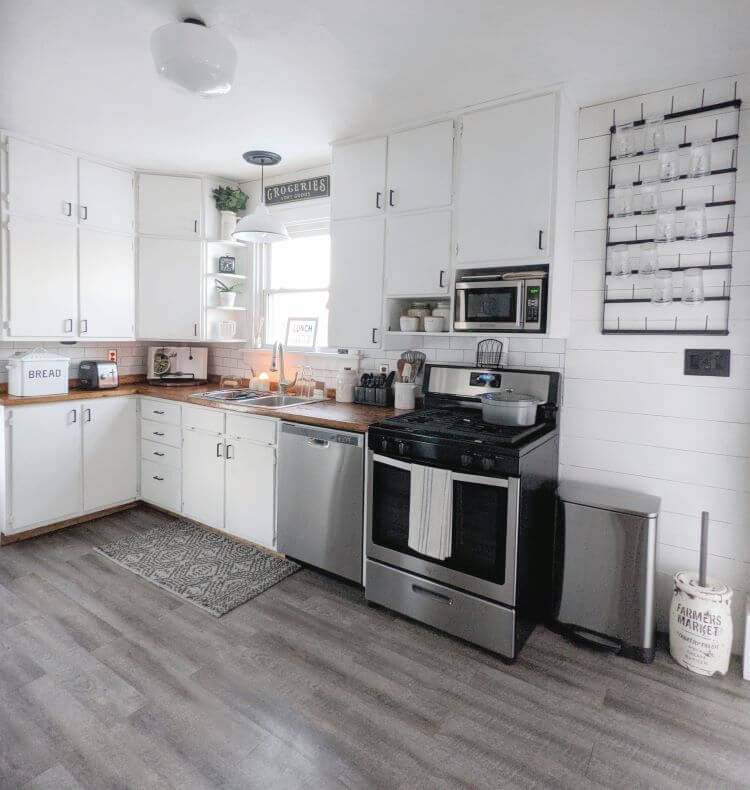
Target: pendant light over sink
{"type": "Point", "coordinates": [194, 57]}
{"type": "Point", "coordinates": [261, 226]}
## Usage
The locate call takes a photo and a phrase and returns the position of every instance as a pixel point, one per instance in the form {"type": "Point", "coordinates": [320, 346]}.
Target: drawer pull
{"type": "Point", "coordinates": [156, 411]}
{"type": "Point", "coordinates": [161, 455]}
{"type": "Point", "coordinates": [424, 591]}
{"type": "Point", "coordinates": [160, 479]}
{"type": "Point", "coordinates": [158, 433]}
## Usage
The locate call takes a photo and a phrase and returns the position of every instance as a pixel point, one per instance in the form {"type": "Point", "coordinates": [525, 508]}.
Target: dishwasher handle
{"type": "Point", "coordinates": [321, 437]}
{"type": "Point", "coordinates": [315, 442]}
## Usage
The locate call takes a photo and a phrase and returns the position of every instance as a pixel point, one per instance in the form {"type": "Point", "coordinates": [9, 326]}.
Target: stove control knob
{"type": "Point", "coordinates": [466, 459]}
{"type": "Point", "coordinates": [403, 448]}
{"type": "Point", "coordinates": [488, 464]}
{"type": "Point", "coordinates": [384, 444]}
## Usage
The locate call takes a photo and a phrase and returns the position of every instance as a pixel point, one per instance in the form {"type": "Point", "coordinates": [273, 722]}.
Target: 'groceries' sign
{"type": "Point", "coordinates": [306, 189]}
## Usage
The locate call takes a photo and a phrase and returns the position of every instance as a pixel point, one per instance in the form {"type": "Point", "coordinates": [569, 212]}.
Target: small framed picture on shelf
{"type": "Point", "coordinates": [227, 264]}
{"type": "Point", "coordinates": [301, 332]}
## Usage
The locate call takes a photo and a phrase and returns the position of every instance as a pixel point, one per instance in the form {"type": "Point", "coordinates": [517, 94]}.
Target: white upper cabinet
{"type": "Point", "coordinates": [42, 181]}
{"type": "Point", "coordinates": [169, 288]}
{"type": "Point", "coordinates": [42, 265]}
{"type": "Point", "coordinates": [169, 205]}
{"type": "Point", "coordinates": [106, 264]}
{"type": "Point", "coordinates": [106, 197]}
{"type": "Point", "coordinates": [358, 179]}
{"type": "Point", "coordinates": [110, 452]}
{"type": "Point", "coordinates": [355, 301]}
{"type": "Point", "coordinates": [505, 181]}
{"type": "Point", "coordinates": [420, 168]}
{"type": "Point", "coordinates": [418, 254]}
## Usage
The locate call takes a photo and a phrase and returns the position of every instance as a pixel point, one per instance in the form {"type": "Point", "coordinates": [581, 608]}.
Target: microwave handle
{"type": "Point", "coordinates": [520, 303]}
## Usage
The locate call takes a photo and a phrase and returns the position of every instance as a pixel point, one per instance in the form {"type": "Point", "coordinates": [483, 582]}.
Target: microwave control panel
{"type": "Point", "coordinates": [533, 294]}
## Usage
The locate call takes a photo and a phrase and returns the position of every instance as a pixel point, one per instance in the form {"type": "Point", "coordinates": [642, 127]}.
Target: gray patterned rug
{"type": "Point", "coordinates": [209, 570]}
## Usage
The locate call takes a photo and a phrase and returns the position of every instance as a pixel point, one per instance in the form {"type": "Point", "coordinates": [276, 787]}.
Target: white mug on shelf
{"type": "Point", "coordinates": [227, 329]}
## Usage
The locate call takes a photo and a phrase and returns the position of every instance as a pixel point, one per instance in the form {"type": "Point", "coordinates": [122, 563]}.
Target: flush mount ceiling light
{"type": "Point", "coordinates": [193, 57]}
{"type": "Point", "coordinates": [261, 225]}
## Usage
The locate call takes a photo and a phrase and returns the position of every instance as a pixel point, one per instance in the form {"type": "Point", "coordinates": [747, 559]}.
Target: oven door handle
{"type": "Point", "coordinates": [498, 482]}
{"type": "Point", "coordinates": [382, 459]}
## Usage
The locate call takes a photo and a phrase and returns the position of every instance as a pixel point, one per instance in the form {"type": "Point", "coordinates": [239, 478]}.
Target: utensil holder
{"type": "Point", "coordinates": [374, 396]}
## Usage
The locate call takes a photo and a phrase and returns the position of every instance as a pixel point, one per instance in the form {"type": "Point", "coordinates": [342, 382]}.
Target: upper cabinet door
{"type": "Point", "coordinates": [505, 181]}
{"type": "Point", "coordinates": [358, 179]}
{"type": "Point", "coordinates": [106, 264]}
{"type": "Point", "coordinates": [106, 197]}
{"type": "Point", "coordinates": [169, 289]}
{"type": "Point", "coordinates": [355, 302]}
{"type": "Point", "coordinates": [420, 168]}
{"type": "Point", "coordinates": [42, 181]}
{"type": "Point", "coordinates": [169, 205]}
{"type": "Point", "coordinates": [42, 268]}
{"type": "Point", "coordinates": [418, 254]}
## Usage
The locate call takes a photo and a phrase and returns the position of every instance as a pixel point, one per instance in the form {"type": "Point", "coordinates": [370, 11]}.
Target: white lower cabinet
{"type": "Point", "coordinates": [250, 485]}
{"type": "Point", "coordinates": [70, 458]}
{"type": "Point", "coordinates": [110, 452]}
{"type": "Point", "coordinates": [45, 472]}
{"type": "Point", "coordinates": [203, 477]}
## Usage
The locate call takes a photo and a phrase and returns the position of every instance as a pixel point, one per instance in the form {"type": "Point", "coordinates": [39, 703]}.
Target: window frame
{"type": "Point", "coordinates": [296, 230]}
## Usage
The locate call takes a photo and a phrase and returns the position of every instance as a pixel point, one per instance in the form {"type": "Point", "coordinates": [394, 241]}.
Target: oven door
{"type": "Point", "coordinates": [489, 304]}
{"type": "Point", "coordinates": [485, 529]}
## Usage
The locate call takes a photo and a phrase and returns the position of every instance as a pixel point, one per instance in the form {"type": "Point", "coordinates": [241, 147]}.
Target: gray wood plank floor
{"type": "Point", "coordinates": [108, 682]}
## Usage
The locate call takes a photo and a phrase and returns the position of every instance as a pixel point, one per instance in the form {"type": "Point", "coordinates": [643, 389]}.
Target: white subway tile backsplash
{"type": "Point", "coordinates": [525, 344]}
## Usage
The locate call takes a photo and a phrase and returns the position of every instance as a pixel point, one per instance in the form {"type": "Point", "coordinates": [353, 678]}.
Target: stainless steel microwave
{"type": "Point", "coordinates": [501, 300]}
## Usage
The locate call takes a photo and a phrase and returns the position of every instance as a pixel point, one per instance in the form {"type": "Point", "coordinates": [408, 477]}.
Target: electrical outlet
{"type": "Point", "coordinates": [383, 368]}
{"type": "Point", "coordinates": [112, 355]}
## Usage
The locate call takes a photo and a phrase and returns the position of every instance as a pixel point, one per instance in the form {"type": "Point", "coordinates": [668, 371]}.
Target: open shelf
{"type": "Point", "coordinates": [670, 116]}
{"type": "Point", "coordinates": [675, 299]}
{"type": "Point", "coordinates": [676, 238]}
{"type": "Point", "coordinates": [711, 204]}
{"type": "Point", "coordinates": [234, 308]}
{"type": "Point", "coordinates": [219, 275]}
{"type": "Point", "coordinates": [627, 157]}
{"type": "Point", "coordinates": [665, 332]}
{"type": "Point", "coordinates": [684, 177]}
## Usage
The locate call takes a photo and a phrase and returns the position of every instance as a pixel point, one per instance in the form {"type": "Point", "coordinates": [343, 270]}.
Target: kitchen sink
{"type": "Point", "coordinates": [230, 395]}
{"type": "Point", "coordinates": [281, 401]}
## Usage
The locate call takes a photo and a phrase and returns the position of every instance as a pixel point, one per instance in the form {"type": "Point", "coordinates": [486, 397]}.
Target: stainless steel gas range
{"type": "Point", "coordinates": [491, 584]}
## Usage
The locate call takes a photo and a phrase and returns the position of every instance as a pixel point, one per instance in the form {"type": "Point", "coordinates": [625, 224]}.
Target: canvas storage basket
{"type": "Point", "coordinates": [37, 372]}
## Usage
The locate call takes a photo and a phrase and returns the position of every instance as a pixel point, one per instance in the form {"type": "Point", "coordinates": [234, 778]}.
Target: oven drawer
{"type": "Point", "coordinates": [478, 621]}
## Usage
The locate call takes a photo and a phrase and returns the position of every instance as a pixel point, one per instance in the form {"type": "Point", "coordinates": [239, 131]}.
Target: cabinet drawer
{"type": "Point", "coordinates": [160, 453]}
{"type": "Point", "coordinates": [158, 432]}
{"type": "Point", "coordinates": [257, 429]}
{"type": "Point", "coordinates": [160, 411]}
{"type": "Point", "coordinates": [160, 485]}
{"type": "Point", "coordinates": [202, 418]}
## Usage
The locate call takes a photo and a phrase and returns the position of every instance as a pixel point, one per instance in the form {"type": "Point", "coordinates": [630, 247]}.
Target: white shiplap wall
{"type": "Point", "coordinates": [630, 417]}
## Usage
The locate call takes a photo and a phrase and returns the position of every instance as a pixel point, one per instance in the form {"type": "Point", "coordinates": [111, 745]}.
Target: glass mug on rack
{"type": "Point", "coordinates": [695, 221]}
{"type": "Point", "coordinates": [662, 290]}
{"type": "Point", "coordinates": [699, 163]}
{"type": "Point", "coordinates": [624, 141]}
{"type": "Point", "coordinates": [692, 286]}
{"type": "Point", "coordinates": [653, 135]}
{"type": "Point", "coordinates": [650, 197]}
{"type": "Point", "coordinates": [669, 163]}
{"type": "Point", "coordinates": [622, 201]}
{"type": "Point", "coordinates": [620, 260]}
{"type": "Point", "coordinates": [666, 226]}
{"type": "Point", "coordinates": [648, 264]}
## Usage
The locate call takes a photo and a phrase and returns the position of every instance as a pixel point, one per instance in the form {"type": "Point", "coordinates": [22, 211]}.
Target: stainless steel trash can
{"type": "Point", "coordinates": [605, 554]}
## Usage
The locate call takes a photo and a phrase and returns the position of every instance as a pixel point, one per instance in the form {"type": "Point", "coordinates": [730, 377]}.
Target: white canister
{"type": "Point", "coordinates": [346, 381]}
{"type": "Point", "coordinates": [434, 323]}
{"type": "Point", "coordinates": [700, 625]}
{"type": "Point", "coordinates": [37, 372]}
{"type": "Point", "coordinates": [443, 310]}
{"type": "Point", "coordinates": [228, 224]}
{"type": "Point", "coordinates": [404, 396]}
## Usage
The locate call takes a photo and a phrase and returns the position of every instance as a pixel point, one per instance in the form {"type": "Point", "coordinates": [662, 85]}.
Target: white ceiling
{"type": "Point", "coordinates": [80, 74]}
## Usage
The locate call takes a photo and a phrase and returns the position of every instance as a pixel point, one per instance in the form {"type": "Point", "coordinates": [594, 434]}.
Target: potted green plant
{"type": "Point", "coordinates": [229, 200]}
{"type": "Point", "coordinates": [227, 293]}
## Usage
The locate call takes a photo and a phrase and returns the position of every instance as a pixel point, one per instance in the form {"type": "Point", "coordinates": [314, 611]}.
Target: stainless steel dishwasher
{"type": "Point", "coordinates": [321, 491]}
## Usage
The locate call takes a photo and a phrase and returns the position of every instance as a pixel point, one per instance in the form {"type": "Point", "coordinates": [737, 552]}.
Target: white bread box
{"type": "Point", "coordinates": [37, 372]}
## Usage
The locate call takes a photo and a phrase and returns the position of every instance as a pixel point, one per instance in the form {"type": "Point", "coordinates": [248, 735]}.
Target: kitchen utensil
{"type": "Point", "coordinates": [434, 323]}
{"type": "Point", "coordinates": [389, 380]}
{"type": "Point", "coordinates": [405, 395]}
{"type": "Point", "coordinates": [699, 163]}
{"type": "Point", "coordinates": [692, 286]}
{"type": "Point", "coordinates": [409, 323]}
{"type": "Point", "coordinates": [662, 292]}
{"type": "Point", "coordinates": [509, 408]}
{"type": "Point", "coordinates": [489, 353]}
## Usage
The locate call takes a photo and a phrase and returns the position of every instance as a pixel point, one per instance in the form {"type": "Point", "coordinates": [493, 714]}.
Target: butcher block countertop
{"type": "Point", "coordinates": [326, 414]}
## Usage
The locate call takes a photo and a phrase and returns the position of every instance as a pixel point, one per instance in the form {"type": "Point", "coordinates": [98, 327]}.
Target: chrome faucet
{"type": "Point", "coordinates": [284, 384]}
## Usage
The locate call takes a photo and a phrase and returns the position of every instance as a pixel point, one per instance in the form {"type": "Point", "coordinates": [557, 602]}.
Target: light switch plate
{"type": "Point", "coordinates": [707, 362]}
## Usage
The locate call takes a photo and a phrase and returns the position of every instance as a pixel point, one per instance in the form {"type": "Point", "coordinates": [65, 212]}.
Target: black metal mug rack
{"type": "Point", "coordinates": [692, 325]}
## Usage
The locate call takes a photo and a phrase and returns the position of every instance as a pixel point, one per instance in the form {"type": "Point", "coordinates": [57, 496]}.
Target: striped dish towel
{"type": "Point", "coordinates": [431, 512]}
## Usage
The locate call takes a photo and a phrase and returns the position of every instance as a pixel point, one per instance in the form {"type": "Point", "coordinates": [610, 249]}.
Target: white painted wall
{"type": "Point", "coordinates": [631, 418]}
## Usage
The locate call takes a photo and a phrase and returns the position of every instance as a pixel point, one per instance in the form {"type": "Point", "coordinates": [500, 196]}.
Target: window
{"type": "Point", "coordinates": [296, 277]}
